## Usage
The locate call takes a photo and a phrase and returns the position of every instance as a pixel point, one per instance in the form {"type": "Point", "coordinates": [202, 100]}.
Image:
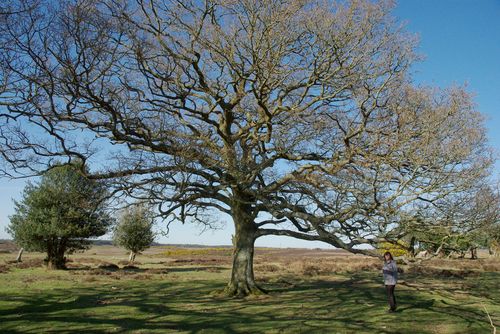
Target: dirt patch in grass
{"type": "Point", "coordinates": [100, 272]}
{"type": "Point", "coordinates": [130, 267]}
{"type": "Point", "coordinates": [76, 266]}
{"type": "Point", "coordinates": [31, 263]}
{"type": "Point", "coordinates": [130, 272]}
{"type": "Point", "coordinates": [108, 266]}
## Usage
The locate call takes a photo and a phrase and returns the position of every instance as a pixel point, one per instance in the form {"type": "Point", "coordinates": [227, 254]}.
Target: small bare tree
{"type": "Point", "coordinates": [295, 118]}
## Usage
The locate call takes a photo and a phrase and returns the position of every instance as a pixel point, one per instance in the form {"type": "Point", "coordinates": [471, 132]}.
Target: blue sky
{"type": "Point", "coordinates": [460, 40]}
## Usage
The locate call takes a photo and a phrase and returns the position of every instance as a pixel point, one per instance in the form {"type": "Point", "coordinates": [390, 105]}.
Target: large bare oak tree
{"type": "Point", "coordinates": [295, 118]}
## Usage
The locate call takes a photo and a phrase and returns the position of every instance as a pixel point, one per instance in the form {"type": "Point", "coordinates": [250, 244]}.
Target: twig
{"type": "Point", "coordinates": [491, 321]}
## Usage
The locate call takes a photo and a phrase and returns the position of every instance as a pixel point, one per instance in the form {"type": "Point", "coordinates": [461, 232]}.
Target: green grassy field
{"type": "Point", "coordinates": [310, 294]}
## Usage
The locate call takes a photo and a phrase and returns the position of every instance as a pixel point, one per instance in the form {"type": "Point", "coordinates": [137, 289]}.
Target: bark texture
{"type": "Point", "coordinates": [131, 257]}
{"type": "Point", "coordinates": [242, 281]}
{"type": "Point", "coordinates": [56, 263]}
{"type": "Point", "coordinates": [55, 255]}
{"type": "Point", "coordinates": [19, 255]}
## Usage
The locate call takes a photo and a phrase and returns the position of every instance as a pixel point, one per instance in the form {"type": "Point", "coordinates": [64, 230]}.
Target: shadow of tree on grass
{"type": "Point", "coordinates": [354, 305]}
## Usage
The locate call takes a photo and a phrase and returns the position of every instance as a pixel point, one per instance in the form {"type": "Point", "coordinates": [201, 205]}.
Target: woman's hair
{"type": "Point", "coordinates": [390, 255]}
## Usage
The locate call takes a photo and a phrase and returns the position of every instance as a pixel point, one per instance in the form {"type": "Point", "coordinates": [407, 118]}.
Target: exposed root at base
{"type": "Point", "coordinates": [242, 291]}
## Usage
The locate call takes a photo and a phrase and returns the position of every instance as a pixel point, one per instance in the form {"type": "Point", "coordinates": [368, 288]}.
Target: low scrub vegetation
{"type": "Point", "coordinates": [177, 251]}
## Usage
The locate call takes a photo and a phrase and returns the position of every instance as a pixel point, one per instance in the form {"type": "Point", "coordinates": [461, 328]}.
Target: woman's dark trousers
{"type": "Point", "coordinates": [391, 297]}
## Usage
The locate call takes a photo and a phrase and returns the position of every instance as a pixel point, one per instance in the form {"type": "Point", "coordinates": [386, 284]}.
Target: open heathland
{"type": "Point", "coordinates": [177, 290]}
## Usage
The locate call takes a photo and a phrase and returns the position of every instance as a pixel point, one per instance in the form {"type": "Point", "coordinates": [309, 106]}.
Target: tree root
{"type": "Point", "coordinates": [243, 290]}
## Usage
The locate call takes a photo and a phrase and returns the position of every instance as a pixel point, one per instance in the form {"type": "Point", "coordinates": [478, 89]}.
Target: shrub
{"type": "Point", "coordinates": [59, 214]}
{"type": "Point", "coordinates": [396, 249]}
{"type": "Point", "coordinates": [134, 231]}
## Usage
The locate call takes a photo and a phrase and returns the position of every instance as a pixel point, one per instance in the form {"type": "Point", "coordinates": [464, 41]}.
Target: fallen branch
{"type": "Point", "coordinates": [491, 321]}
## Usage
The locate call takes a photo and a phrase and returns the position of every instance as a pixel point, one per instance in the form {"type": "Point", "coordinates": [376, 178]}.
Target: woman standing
{"type": "Point", "coordinates": [390, 272]}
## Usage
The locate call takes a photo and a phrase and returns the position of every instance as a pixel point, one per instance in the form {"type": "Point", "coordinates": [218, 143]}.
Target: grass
{"type": "Point", "coordinates": [163, 297]}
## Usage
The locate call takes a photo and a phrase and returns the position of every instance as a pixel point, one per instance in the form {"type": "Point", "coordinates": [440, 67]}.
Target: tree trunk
{"type": "Point", "coordinates": [19, 255]}
{"type": "Point", "coordinates": [131, 257]}
{"type": "Point", "coordinates": [55, 256]}
{"type": "Point", "coordinates": [242, 278]}
{"type": "Point", "coordinates": [56, 262]}
{"type": "Point", "coordinates": [473, 253]}
{"type": "Point", "coordinates": [412, 246]}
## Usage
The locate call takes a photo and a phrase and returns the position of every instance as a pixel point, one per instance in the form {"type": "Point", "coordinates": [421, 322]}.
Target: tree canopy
{"type": "Point", "coordinates": [296, 118]}
{"type": "Point", "coordinates": [59, 214]}
{"type": "Point", "coordinates": [134, 230]}
{"type": "Point", "coordinates": [463, 222]}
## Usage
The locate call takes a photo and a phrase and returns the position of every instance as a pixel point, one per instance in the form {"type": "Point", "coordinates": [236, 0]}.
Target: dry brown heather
{"type": "Point", "coordinates": [285, 263]}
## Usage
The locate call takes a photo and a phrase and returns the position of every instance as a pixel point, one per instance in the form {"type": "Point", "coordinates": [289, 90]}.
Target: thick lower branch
{"type": "Point", "coordinates": [311, 237]}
